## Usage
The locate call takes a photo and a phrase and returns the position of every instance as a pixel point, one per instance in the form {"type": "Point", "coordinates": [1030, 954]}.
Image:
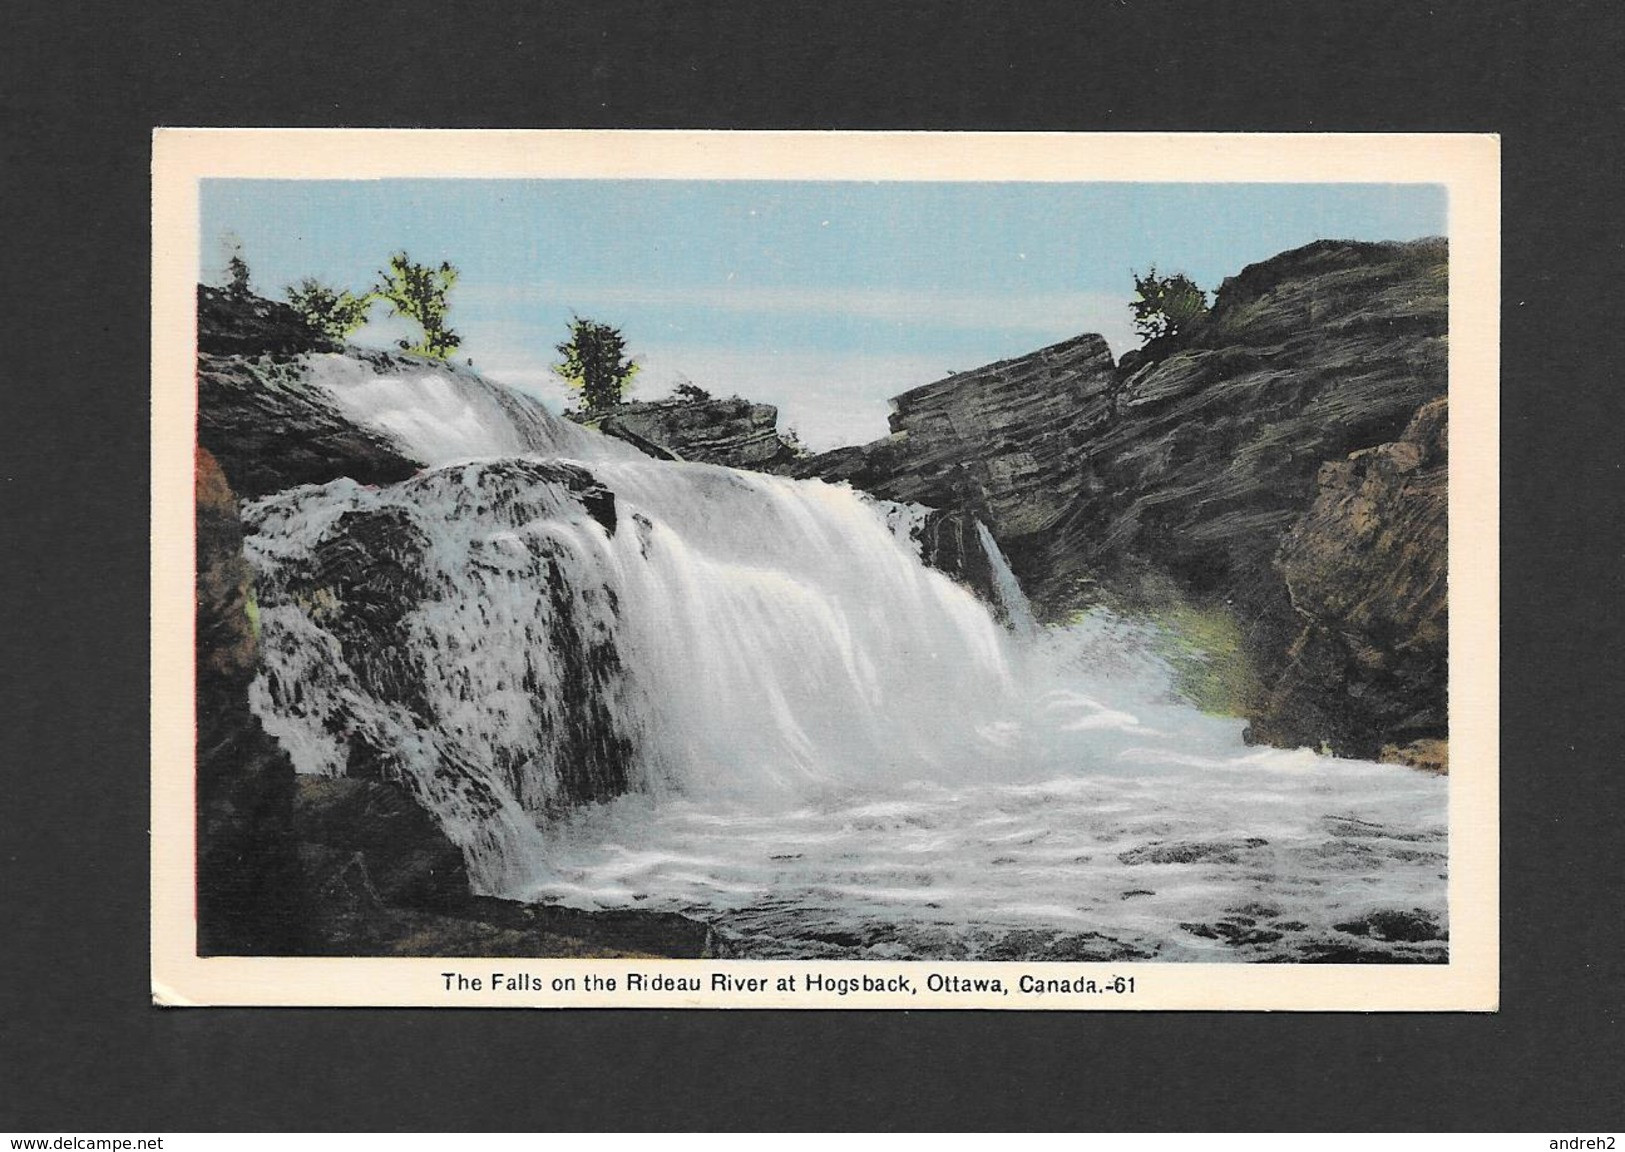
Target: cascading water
{"type": "Point", "coordinates": [1005, 586]}
{"type": "Point", "coordinates": [621, 681]}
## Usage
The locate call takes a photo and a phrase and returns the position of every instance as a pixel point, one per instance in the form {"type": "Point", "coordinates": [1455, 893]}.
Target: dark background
{"type": "Point", "coordinates": [81, 87]}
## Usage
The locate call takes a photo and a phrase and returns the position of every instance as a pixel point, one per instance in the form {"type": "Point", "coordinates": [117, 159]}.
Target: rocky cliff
{"type": "Point", "coordinates": [732, 432]}
{"type": "Point", "coordinates": [1174, 477]}
{"type": "Point", "coordinates": [1366, 570]}
{"type": "Point", "coordinates": [250, 890]}
{"type": "Point", "coordinates": [1002, 443]}
{"type": "Point", "coordinates": [1213, 447]}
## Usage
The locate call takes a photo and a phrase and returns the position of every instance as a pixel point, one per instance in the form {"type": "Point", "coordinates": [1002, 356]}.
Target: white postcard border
{"type": "Point", "coordinates": [1467, 165]}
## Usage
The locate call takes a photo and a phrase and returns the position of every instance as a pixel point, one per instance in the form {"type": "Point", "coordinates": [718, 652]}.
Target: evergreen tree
{"type": "Point", "coordinates": [1165, 306]}
{"type": "Point", "coordinates": [237, 275]}
{"type": "Point", "coordinates": [595, 361]}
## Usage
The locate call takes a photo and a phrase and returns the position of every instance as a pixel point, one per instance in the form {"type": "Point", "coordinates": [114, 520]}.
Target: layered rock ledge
{"type": "Point", "coordinates": [733, 432]}
{"type": "Point", "coordinates": [1174, 478]}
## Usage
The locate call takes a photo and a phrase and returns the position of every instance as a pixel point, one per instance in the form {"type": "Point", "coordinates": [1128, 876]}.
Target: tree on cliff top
{"type": "Point", "coordinates": [595, 361]}
{"type": "Point", "coordinates": [332, 312]}
{"type": "Point", "coordinates": [418, 292]}
{"type": "Point", "coordinates": [237, 277]}
{"type": "Point", "coordinates": [1165, 306]}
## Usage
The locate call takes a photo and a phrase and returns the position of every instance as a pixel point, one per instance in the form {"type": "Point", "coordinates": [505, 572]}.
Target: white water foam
{"type": "Point", "coordinates": [1118, 823]}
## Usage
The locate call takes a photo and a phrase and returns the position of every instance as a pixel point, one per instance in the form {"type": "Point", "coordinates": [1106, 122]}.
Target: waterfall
{"type": "Point", "coordinates": [511, 635]}
{"type": "Point", "coordinates": [622, 681]}
{"type": "Point", "coordinates": [442, 413]}
{"type": "Point", "coordinates": [1005, 586]}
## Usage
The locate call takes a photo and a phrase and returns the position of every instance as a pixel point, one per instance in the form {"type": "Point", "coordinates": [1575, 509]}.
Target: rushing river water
{"type": "Point", "coordinates": [828, 749]}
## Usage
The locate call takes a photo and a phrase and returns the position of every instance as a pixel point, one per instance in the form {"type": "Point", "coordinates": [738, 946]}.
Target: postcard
{"type": "Point", "coordinates": [825, 570]}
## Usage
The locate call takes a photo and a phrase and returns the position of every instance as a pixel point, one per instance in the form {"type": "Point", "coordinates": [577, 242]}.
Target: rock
{"type": "Point", "coordinates": [732, 432]}
{"type": "Point", "coordinates": [305, 865]}
{"type": "Point", "coordinates": [386, 881]}
{"type": "Point", "coordinates": [226, 611]}
{"type": "Point", "coordinates": [406, 858]}
{"type": "Point", "coordinates": [271, 429]}
{"type": "Point", "coordinates": [243, 324]}
{"type": "Point", "coordinates": [1212, 452]}
{"type": "Point", "coordinates": [1193, 852]}
{"type": "Point", "coordinates": [1002, 443]}
{"type": "Point", "coordinates": [1365, 568]}
{"type": "Point", "coordinates": [352, 918]}
{"type": "Point", "coordinates": [250, 898]}
{"type": "Point", "coordinates": [1050, 946]}
{"type": "Point", "coordinates": [1429, 755]}
{"type": "Point", "coordinates": [948, 541]}
{"type": "Point", "coordinates": [370, 687]}
{"type": "Point", "coordinates": [1412, 927]}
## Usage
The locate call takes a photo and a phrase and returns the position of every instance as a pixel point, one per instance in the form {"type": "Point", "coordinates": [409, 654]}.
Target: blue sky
{"type": "Point", "coordinates": [824, 298]}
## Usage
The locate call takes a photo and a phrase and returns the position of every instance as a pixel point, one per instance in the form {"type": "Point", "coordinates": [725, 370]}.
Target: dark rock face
{"type": "Point", "coordinates": [1365, 567]}
{"type": "Point", "coordinates": [249, 891]}
{"type": "Point", "coordinates": [359, 587]}
{"type": "Point", "coordinates": [1217, 452]}
{"type": "Point", "coordinates": [1411, 927]}
{"type": "Point", "coordinates": [1002, 443]}
{"type": "Point", "coordinates": [1214, 448]}
{"type": "Point", "coordinates": [243, 324]}
{"type": "Point", "coordinates": [271, 430]}
{"type": "Point", "coordinates": [949, 542]}
{"type": "Point", "coordinates": [352, 917]}
{"type": "Point", "coordinates": [406, 857]}
{"type": "Point", "coordinates": [268, 428]}
{"type": "Point", "coordinates": [732, 432]}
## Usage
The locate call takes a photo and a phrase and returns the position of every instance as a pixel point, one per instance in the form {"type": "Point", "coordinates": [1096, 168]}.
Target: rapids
{"type": "Point", "coordinates": [744, 698]}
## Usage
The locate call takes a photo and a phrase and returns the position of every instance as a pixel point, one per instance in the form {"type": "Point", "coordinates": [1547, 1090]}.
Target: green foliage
{"type": "Point", "coordinates": [595, 362]}
{"type": "Point", "coordinates": [418, 292]}
{"type": "Point", "coordinates": [335, 313]}
{"type": "Point", "coordinates": [1165, 306]}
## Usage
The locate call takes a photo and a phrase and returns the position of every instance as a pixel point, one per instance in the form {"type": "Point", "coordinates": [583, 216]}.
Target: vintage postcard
{"type": "Point", "coordinates": [811, 570]}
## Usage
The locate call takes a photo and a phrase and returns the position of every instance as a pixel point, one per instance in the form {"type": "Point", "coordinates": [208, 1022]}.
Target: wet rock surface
{"type": "Point", "coordinates": [354, 916]}
{"type": "Point", "coordinates": [948, 541]}
{"type": "Point", "coordinates": [364, 585]}
{"type": "Point", "coordinates": [379, 827]}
